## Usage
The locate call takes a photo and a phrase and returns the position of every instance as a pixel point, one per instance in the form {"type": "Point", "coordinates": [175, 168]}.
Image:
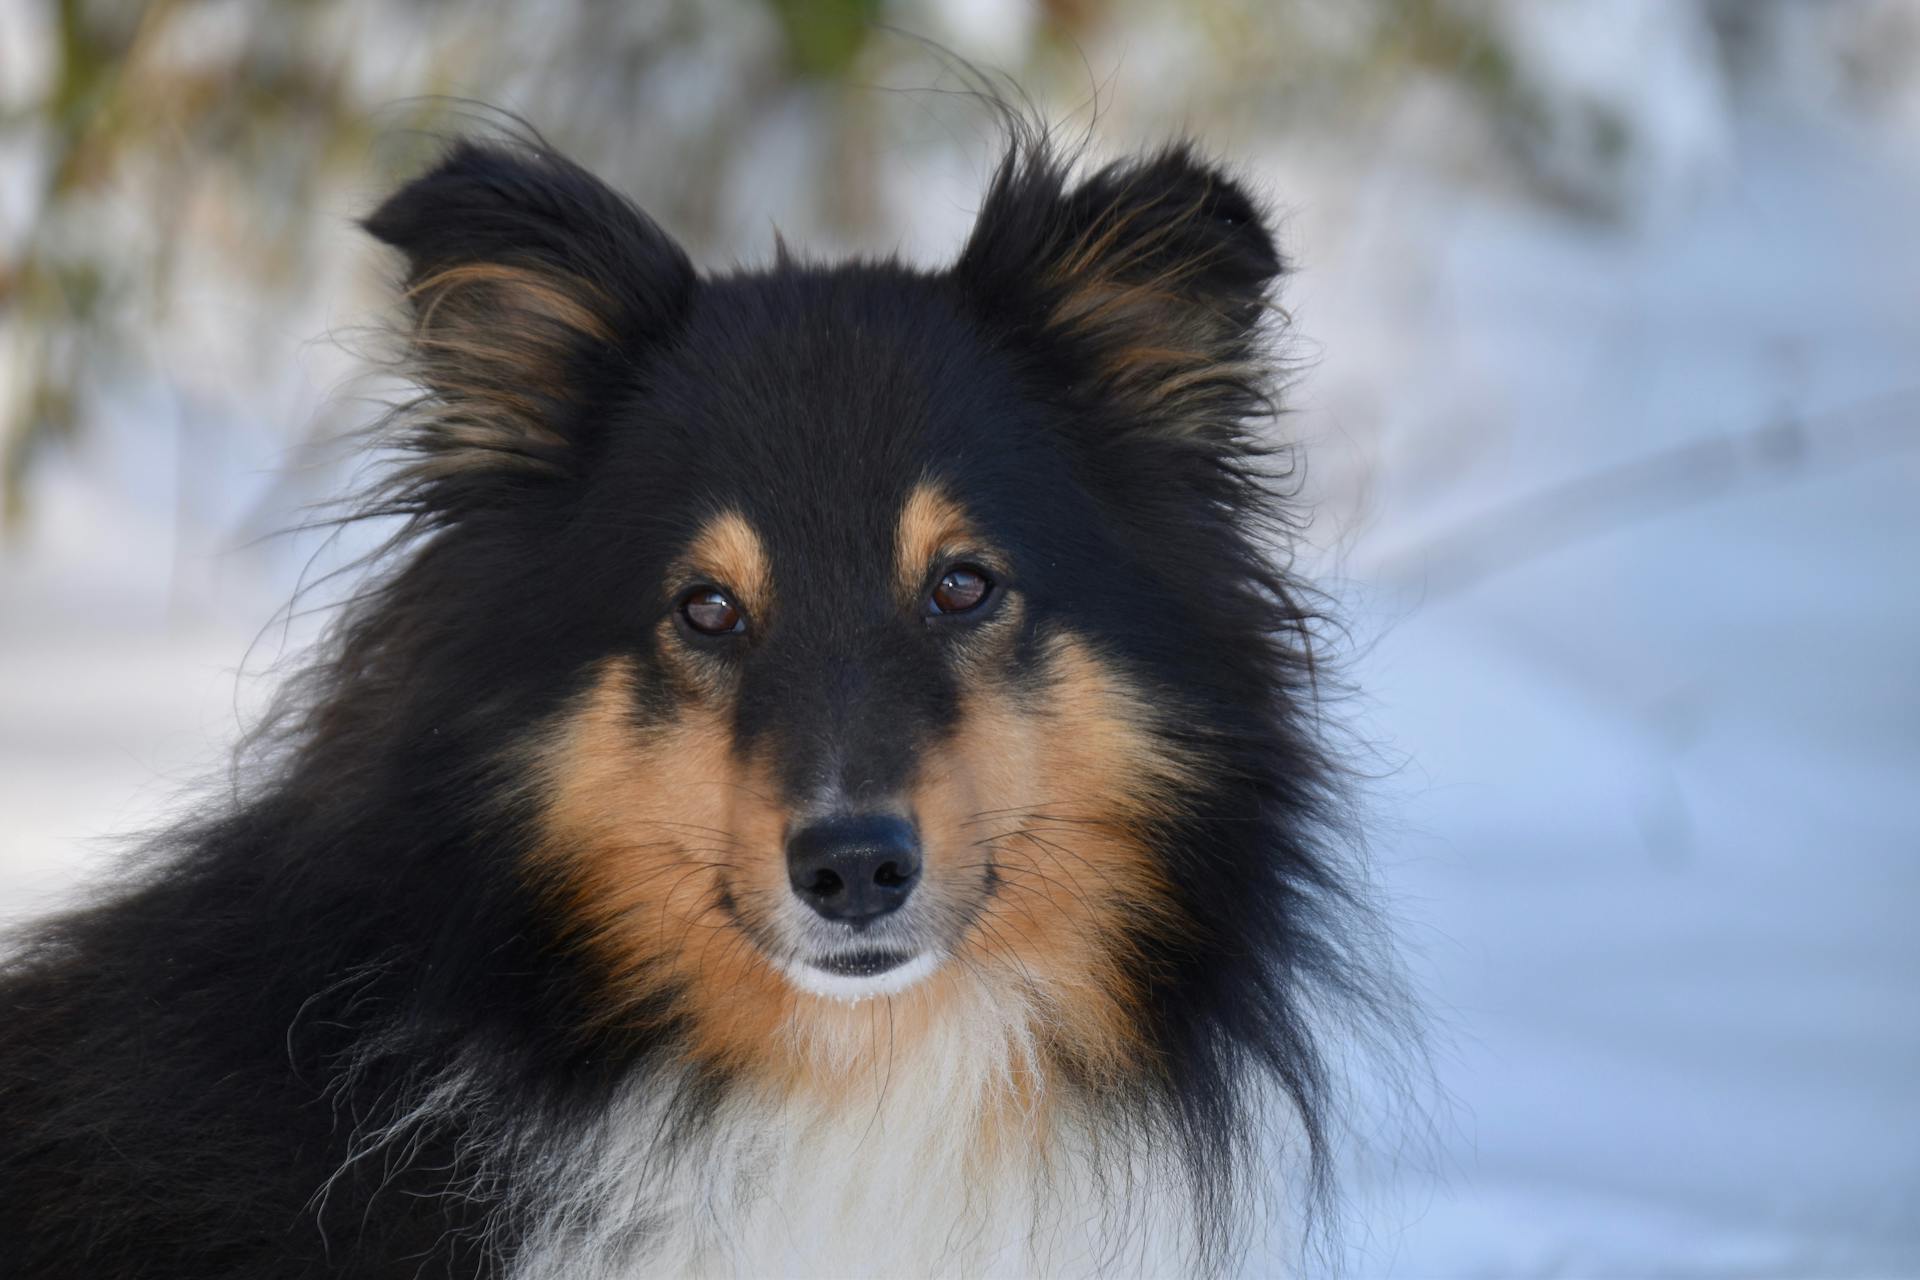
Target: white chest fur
{"type": "Point", "coordinates": [920, 1164]}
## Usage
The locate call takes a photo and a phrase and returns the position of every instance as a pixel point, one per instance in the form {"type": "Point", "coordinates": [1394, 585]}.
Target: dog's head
{"type": "Point", "coordinates": [858, 630]}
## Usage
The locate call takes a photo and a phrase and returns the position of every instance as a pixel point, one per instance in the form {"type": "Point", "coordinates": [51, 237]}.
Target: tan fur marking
{"type": "Point", "coordinates": [931, 525]}
{"type": "Point", "coordinates": [648, 827]}
{"type": "Point", "coordinates": [1055, 797]}
{"type": "Point", "coordinates": [489, 342]}
{"type": "Point", "coordinates": [729, 551]}
{"type": "Point", "coordinates": [1155, 342]}
{"type": "Point", "coordinates": [666, 846]}
{"type": "Point", "coordinates": [559, 296]}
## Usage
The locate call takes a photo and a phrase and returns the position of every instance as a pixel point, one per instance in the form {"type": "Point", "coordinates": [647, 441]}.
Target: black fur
{"type": "Point", "coordinates": [189, 1066]}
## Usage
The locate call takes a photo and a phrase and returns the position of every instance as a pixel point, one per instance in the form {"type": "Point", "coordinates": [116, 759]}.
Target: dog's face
{"type": "Point", "coordinates": [876, 624]}
{"type": "Point", "coordinates": [873, 729]}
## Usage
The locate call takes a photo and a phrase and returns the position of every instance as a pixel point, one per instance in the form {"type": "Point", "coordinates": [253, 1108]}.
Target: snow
{"type": "Point", "coordinates": [1656, 825]}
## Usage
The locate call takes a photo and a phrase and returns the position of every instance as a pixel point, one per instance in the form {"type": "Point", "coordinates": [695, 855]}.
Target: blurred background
{"type": "Point", "coordinates": [1607, 318]}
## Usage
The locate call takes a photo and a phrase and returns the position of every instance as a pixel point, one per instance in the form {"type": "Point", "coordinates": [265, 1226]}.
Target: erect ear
{"type": "Point", "coordinates": [531, 286]}
{"type": "Point", "coordinates": [1148, 279]}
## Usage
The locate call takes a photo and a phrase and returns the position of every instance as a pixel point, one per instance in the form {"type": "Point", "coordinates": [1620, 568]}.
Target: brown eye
{"type": "Point", "coordinates": [962, 589]}
{"type": "Point", "coordinates": [712, 612]}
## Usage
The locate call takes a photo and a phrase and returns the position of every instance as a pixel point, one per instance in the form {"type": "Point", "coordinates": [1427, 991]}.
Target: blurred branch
{"type": "Point", "coordinates": [204, 146]}
{"type": "Point", "coordinates": [1791, 448]}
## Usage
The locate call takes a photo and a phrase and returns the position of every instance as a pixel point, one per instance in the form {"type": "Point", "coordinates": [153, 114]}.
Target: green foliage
{"type": "Point", "coordinates": [172, 134]}
{"type": "Point", "coordinates": [824, 37]}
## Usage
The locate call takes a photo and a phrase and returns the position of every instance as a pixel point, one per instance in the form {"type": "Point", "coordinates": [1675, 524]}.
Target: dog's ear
{"type": "Point", "coordinates": [532, 288]}
{"type": "Point", "coordinates": [1148, 279]}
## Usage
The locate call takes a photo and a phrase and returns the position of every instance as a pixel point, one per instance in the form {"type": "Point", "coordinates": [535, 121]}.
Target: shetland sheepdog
{"type": "Point", "coordinates": [829, 782]}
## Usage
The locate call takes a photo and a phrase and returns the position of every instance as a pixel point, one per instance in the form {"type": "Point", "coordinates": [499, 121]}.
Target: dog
{"type": "Point", "coordinates": [830, 781]}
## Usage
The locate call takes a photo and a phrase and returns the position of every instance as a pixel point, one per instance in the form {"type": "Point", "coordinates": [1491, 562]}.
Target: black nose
{"type": "Point", "coordinates": [854, 869]}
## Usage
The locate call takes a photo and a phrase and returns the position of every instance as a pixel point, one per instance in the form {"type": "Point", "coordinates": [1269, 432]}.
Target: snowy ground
{"type": "Point", "coordinates": [1654, 815]}
{"type": "Point", "coordinates": [1659, 819]}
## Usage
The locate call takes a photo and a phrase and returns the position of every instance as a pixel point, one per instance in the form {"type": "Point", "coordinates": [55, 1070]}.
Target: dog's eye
{"type": "Point", "coordinates": [712, 612]}
{"type": "Point", "coordinates": [961, 589]}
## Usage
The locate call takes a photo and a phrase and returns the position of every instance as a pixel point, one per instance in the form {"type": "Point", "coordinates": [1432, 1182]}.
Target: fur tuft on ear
{"type": "Point", "coordinates": [1149, 278]}
{"type": "Point", "coordinates": [532, 287]}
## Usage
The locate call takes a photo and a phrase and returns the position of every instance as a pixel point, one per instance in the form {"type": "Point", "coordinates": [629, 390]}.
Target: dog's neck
{"type": "Point", "coordinates": [940, 1147]}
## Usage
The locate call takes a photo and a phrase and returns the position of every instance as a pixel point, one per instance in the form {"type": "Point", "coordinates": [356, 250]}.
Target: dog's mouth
{"type": "Point", "coordinates": [863, 964]}
{"type": "Point", "coordinates": [860, 975]}
{"type": "Point", "coordinates": [838, 964]}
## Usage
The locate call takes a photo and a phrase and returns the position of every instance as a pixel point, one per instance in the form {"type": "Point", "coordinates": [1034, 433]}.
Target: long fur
{"type": "Point", "coordinates": [365, 1021]}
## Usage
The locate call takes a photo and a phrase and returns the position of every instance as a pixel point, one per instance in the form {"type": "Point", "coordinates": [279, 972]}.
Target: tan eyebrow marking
{"type": "Point", "coordinates": [728, 549]}
{"type": "Point", "coordinates": [931, 523]}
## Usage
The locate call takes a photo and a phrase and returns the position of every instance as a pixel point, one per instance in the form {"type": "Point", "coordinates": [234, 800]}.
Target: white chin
{"type": "Point", "coordinates": [852, 988]}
